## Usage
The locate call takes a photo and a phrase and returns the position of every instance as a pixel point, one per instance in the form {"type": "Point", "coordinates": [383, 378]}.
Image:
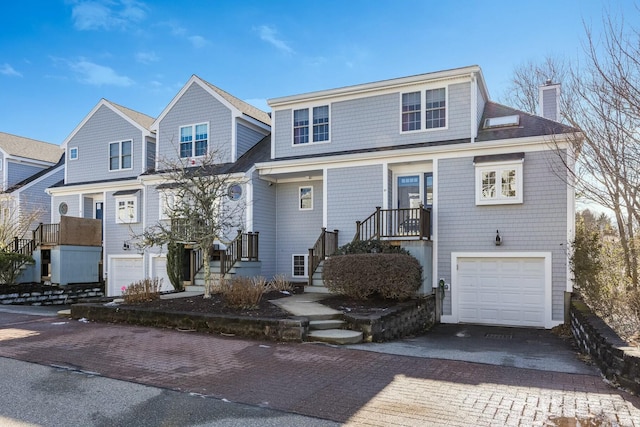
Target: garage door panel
{"type": "Point", "coordinates": [123, 272]}
{"type": "Point", "coordinates": [159, 270]}
{"type": "Point", "coordinates": [503, 291]}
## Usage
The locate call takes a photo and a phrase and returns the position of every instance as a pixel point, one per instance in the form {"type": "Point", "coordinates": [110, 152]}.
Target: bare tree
{"type": "Point", "coordinates": [602, 100]}
{"type": "Point", "coordinates": [198, 209]}
{"type": "Point", "coordinates": [16, 221]}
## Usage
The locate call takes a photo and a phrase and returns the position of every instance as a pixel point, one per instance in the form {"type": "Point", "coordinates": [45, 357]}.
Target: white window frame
{"type": "Point", "coordinates": [73, 150]}
{"type": "Point", "coordinates": [423, 109]}
{"type": "Point", "coordinates": [126, 200]}
{"type": "Point", "coordinates": [120, 157]}
{"type": "Point", "coordinates": [165, 207]}
{"type": "Point", "coordinates": [193, 140]}
{"type": "Point", "coordinates": [498, 168]}
{"type": "Point", "coordinates": [306, 265]}
{"type": "Point", "coordinates": [300, 197]}
{"type": "Point", "coordinates": [310, 125]}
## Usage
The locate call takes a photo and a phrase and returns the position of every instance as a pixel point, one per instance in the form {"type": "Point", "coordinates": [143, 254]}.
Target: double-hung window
{"type": "Point", "coordinates": [120, 155]}
{"type": "Point", "coordinates": [299, 266]}
{"type": "Point", "coordinates": [194, 140]}
{"type": "Point", "coordinates": [499, 182]}
{"type": "Point", "coordinates": [318, 118]}
{"type": "Point", "coordinates": [424, 110]}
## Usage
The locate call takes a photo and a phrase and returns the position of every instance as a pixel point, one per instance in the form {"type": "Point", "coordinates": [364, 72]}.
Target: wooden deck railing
{"type": "Point", "coordinates": [243, 248]}
{"type": "Point", "coordinates": [326, 245]}
{"type": "Point", "coordinates": [395, 223]}
{"type": "Point", "coordinates": [22, 246]}
{"type": "Point", "coordinates": [46, 234]}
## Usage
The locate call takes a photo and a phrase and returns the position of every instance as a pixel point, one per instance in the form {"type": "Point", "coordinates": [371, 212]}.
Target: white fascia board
{"type": "Point", "coordinates": [94, 188]}
{"type": "Point", "coordinates": [28, 160]}
{"type": "Point", "coordinates": [254, 124]}
{"type": "Point", "coordinates": [410, 154]}
{"type": "Point", "coordinates": [391, 84]}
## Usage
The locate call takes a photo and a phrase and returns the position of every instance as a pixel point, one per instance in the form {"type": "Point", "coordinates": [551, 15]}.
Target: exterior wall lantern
{"type": "Point", "coordinates": [498, 238]}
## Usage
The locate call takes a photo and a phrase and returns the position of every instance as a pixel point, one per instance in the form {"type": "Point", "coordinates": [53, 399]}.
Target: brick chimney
{"type": "Point", "coordinates": [549, 101]}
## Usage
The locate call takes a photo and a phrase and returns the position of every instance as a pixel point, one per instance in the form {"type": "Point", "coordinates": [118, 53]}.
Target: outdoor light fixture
{"type": "Point", "coordinates": [498, 238]}
{"type": "Point", "coordinates": [125, 246]}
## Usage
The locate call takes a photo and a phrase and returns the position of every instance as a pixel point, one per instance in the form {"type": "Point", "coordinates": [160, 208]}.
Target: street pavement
{"type": "Point", "coordinates": [337, 384]}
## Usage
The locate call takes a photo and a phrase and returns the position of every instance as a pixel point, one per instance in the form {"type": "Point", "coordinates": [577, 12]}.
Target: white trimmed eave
{"type": "Point", "coordinates": [94, 188]}
{"type": "Point", "coordinates": [391, 84]}
{"type": "Point", "coordinates": [160, 178]}
{"type": "Point", "coordinates": [29, 160]}
{"type": "Point", "coordinates": [278, 169]}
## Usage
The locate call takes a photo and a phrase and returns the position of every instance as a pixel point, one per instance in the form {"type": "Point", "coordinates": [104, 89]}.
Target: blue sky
{"type": "Point", "coordinates": [58, 58]}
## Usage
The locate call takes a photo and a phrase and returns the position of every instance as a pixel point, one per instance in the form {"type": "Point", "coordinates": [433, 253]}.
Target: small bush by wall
{"type": "Point", "coordinates": [619, 362]}
{"type": "Point", "coordinates": [388, 275]}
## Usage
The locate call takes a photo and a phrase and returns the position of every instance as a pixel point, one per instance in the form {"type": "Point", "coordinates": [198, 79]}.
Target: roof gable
{"type": "Point", "coordinates": [28, 148]}
{"type": "Point", "coordinates": [139, 120]}
{"type": "Point", "coordinates": [238, 106]}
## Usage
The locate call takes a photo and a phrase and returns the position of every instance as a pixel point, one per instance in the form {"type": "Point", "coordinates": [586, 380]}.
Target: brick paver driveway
{"type": "Point", "coordinates": [349, 386]}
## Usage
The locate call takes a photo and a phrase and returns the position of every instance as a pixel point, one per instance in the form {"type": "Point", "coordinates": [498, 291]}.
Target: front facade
{"type": "Point", "coordinates": [477, 191]}
{"type": "Point", "coordinates": [436, 141]}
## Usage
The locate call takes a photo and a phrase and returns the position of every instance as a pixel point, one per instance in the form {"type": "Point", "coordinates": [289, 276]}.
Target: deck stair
{"type": "Point", "coordinates": [316, 283]}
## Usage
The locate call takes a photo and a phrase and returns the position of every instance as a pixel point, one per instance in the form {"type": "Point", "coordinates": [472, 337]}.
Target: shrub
{"type": "Point", "coordinates": [175, 254]}
{"type": "Point", "coordinates": [388, 275]}
{"type": "Point", "coordinates": [11, 264]}
{"type": "Point", "coordinates": [142, 291]}
{"type": "Point", "coordinates": [370, 246]}
{"type": "Point", "coordinates": [280, 283]}
{"type": "Point", "coordinates": [243, 292]}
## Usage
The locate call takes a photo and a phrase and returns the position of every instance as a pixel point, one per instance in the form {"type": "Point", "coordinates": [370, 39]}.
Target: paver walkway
{"type": "Point", "coordinates": [353, 387]}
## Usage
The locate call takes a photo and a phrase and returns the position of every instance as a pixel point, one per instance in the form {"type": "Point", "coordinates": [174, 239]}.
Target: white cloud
{"type": "Point", "coordinates": [147, 57]}
{"type": "Point", "coordinates": [198, 41]}
{"type": "Point", "coordinates": [99, 75]}
{"type": "Point", "coordinates": [270, 35]}
{"type": "Point", "coordinates": [106, 14]}
{"type": "Point", "coordinates": [8, 70]}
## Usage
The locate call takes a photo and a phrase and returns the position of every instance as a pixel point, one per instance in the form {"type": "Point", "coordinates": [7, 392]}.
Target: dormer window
{"type": "Point", "coordinates": [432, 116]}
{"type": "Point", "coordinates": [318, 117]}
{"type": "Point", "coordinates": [194, 140]}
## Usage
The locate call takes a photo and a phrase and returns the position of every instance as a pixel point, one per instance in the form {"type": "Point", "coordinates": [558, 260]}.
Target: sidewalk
{"type": "Point", "coordinates": [348, 386]}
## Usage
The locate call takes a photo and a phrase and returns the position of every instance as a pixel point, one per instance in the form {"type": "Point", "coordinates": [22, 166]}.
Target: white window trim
{"type": "Point", "coordinates": [120, 168]}
{"type": "Point", "coordinates": [423, 109]}
{"type": "Point", "coordinates": [498, 167]}
{"type": "Point", "coordinates": [311, 141]}
{"type": "Point", "coordinates": [300, 208]}
{"type": "Point", "coordinates": [163, 205]}
{"type": "Point", "coordinates": [71, 150]}
{"type": "Point", "coordinates": [306, 266]}
{"type": "Point", "coordinates": [126, 199]}
{"type": "Point", "coordinates": [193, 141]}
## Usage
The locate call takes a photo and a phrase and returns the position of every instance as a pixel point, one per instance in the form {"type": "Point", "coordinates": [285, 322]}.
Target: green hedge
{"type": "Point", "coordinates": [388, 275]}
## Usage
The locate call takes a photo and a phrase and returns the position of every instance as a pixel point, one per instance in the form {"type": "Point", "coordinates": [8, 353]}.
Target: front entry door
{"type": "Point", "coordinates": [412, 192]}
{"type": "Point", "coordinates": [99, 208]}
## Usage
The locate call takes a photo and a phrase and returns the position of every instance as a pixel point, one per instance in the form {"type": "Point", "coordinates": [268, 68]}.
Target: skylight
{"type": "Point", "coordinates": [494, 122]}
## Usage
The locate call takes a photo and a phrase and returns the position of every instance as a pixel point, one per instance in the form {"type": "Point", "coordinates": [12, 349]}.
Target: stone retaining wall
{"type": "Point", "coordinates": [293, 329]}
{"type": "Point", "coordinates": [37, 294]}
{"type": "Point", "coordinates": [405, 319]}
{"type": "Point", "coordinates": [619, 362]}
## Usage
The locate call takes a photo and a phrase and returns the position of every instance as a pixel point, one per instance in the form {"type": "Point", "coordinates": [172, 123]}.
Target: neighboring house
{"type": "Point", "coordinates": [27, 168]}
{"type": "Point", "coordinates": [105, 154]}
{"type": "Point", "coordinates": [430, 163]}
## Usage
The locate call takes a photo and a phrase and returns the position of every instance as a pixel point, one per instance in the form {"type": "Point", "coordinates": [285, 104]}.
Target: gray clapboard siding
{"type": "Point", "coordinates": [264, 222]}
{"type": "Point", "coordinates": [73, 206]}
{"type": "Point", "coordinates": [539, 224]}
{"type": "Point", "coordinates": [34, 198]}
{"type": "Point", "coordinates": [116, 234]}
{"type": "Point", "coordinates": [352, 195]}
{"type": "Point", "coordinates": [17, 172]}
{"type": "Point", "coordinates": [92, 141]}
{"type": "Point", "coordinates": [246, 138]}
{"type": "Point", "coordinates": [297, 230]}
{"type": "Point", "coordinates": [374, 121]}
{"type": "Point", "coordinates": [196, 106]}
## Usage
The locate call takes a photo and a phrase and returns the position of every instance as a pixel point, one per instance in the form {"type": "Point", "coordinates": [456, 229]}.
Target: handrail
{"type": "Point", "coordinates": [243, 248]}
{"type": "Point", "coordinates": [395, 223]}
{"type": "Point", "coordinates": [46, 234]}
{"type": "Point", "coordinates": [23, 246]}
{"type": "Point", "coordinates": [326, 245]}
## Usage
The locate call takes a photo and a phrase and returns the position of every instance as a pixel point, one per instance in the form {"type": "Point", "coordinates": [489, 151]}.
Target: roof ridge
{"type": "Point", "coordinates": [243, 106]}
{"type": "Point", "coordinates": [133, 114]}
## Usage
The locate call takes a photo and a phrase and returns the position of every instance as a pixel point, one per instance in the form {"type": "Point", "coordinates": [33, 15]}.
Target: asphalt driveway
{"type": "Point", "coordinates": [514, 347]}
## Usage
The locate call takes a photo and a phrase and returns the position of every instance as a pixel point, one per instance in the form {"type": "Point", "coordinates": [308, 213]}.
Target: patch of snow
{"type": "Point", "coordinates": [83, 320]}
{"type": "Point", "coordinates": [59, 323]}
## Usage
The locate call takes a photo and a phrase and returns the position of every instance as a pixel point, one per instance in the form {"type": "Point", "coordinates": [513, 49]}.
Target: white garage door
{"type": "Point", "coordinates": [501, 291]}
{"type": "Point", "coordinates": [159, 270]}
{"type": "Point", "coordinates": [123, 272]}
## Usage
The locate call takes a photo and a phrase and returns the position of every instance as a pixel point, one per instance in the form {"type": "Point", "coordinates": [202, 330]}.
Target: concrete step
{"type": "Point", "coordinates": [325, 324]}
{"type": "Point", "coordinates": [316, 289]}
{"type": "Point", "coordinates": [194, 288]}
{"type": "Point", "coordinates": [335, 336]}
